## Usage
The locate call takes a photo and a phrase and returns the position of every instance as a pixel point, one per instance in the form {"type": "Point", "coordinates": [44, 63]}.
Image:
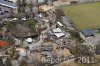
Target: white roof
{"type": "Point", "coordinates": [58, 32]}
{"type": "Point", "coordinates": [58, 35]}
{"type": "Point", "coordinates": [59, 24]}
{"type": "Point", "coordinates": [15, 19]}
{"type": "Point", "coordinates": [24, 18]}
{"type": "Point", "coordinates": [29, 40]}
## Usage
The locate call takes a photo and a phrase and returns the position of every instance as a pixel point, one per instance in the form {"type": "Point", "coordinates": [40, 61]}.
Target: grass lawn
{"type": "Point", "coordinates": [84, 15]}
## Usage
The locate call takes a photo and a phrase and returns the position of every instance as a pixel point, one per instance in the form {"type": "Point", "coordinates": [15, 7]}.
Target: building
{"type": "Point", "coordinates": [58, 32]}
{"type": "Point", "coordinates": [88, 32]}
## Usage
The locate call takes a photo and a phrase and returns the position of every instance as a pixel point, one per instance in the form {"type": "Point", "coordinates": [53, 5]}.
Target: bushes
{"type": "Point", "coordinates": [31, 23]}
{"type": "Point", "coordinates": [9, 25]}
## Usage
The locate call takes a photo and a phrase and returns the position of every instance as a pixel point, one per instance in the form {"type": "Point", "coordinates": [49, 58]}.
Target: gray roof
{"type": "Point", "coordinates": [87, 32]}
{"type": "Point", "coordinates": [8, 4]}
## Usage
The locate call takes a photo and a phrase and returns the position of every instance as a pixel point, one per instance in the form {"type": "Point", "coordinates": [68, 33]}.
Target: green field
{"type": "Point", "coordinates": [84, 15]}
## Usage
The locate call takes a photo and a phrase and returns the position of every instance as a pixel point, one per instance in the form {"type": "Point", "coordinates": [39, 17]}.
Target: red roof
{"type": "Point", "coordinates": [3, 43]}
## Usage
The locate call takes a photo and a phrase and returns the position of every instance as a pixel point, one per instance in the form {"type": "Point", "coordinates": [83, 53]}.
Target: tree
{"type": "Point", "coordinates": [21, 6]}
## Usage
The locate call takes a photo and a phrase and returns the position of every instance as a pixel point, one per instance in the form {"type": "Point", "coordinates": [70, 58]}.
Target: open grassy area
{"type": "Point", "coordinates": [84, 15]}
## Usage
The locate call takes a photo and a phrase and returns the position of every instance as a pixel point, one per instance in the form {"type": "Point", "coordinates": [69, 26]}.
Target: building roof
{"type": "Point", "coordinates": [59, 24]}
{"type": "Point", "coordinates": [29, 40]}
{"type": "Point", "coordinates": [87, 32]}
{"type": "Point", "coordinates": [58, 35]}
{"type": "Point", "coordinates": [3, 43]}
{"type": "Point", "coordinates": [58, 32]}
{"type": "Point", "coordinates": [8, 4]}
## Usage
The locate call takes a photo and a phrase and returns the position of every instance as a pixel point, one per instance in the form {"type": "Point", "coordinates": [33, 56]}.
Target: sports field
{"type": "Point", "coordinates": [84, 15]}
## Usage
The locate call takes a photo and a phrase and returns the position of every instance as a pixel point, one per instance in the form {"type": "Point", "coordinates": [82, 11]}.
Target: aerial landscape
{"type": "Point", "coordinates": [49, 32]}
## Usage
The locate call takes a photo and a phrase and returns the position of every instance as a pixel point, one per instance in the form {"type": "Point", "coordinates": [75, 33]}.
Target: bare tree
{"type": "Point", "coordinates": [21, 6]}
